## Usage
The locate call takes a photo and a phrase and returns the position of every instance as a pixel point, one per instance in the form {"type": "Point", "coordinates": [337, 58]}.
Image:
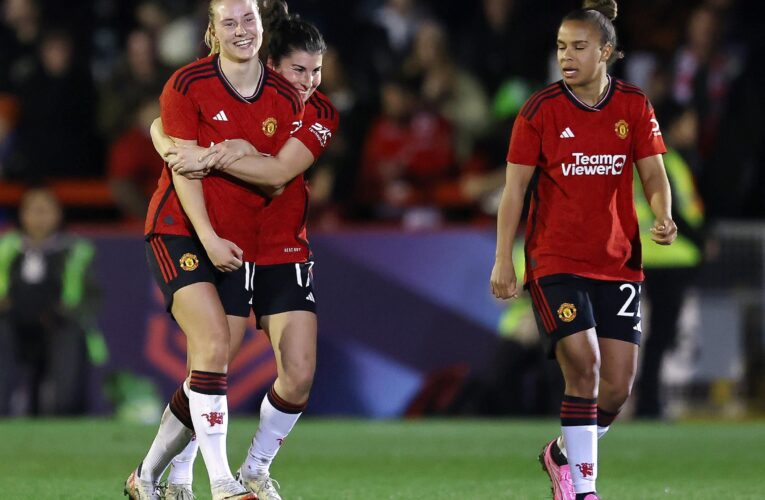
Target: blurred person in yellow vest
{"type": "Point", "coordinates": [49, 298]}
{"type": "Point", "coordinates": [669, 270]}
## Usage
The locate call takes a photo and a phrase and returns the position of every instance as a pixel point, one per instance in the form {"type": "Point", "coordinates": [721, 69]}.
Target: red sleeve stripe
{"type": "Point", "coordinates": [284, 89]}
{"type": "Point", "coordinates": [629, 89]}
{"type": "Point", "coordinates": [536, 97]}
{"type": "Point", "coordinates": [295, 107]}
{"type": "Point", "coordinates": [324, 108]}
{"type": "Point", "coordinates": [200, 77]}
{"type": "Point", "coordinates": [539, 300]}
{"type": "Point", "coordinates": [182, 79]}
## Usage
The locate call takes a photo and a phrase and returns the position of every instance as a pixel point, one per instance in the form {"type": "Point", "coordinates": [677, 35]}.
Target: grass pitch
{"type": "Point", "coordinates": [423, 460]}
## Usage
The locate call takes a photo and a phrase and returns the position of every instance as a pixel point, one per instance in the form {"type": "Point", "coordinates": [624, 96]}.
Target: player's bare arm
{"type": "Point", "coordinates": [653, 176]}
{"type": "Point", "coordinates": [224, 254]}
{"type": "Point", "coordinates": [293, 159]}
{"type": "Point", "coordinates": [220, 156]}
{"type": "Point", "coordinates": [178, 156]}
{"type": "Point", "coordinates": [503, 282]}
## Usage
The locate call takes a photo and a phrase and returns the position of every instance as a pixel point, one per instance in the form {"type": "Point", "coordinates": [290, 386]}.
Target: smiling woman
{"type": "Point", "coordinates": [211, 223]}
{"type": "Point", "coordinates": [234, 29]}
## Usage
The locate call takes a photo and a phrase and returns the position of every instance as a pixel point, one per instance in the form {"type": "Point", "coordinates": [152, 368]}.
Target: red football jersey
{"type": "Point", "coordinates": [198, 103]}
{"type": "Point", "coordinates": [283, 237]}
{"type": "Point", "coordinates": [582, 217]}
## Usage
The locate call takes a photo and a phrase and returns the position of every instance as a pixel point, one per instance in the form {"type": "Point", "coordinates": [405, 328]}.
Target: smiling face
{"type": "Point", "coordinates": [302, 69]}
{"type": "Point", "coordinates": [238, 29]}
{"type": "Point", "coordinates": [582, 56]}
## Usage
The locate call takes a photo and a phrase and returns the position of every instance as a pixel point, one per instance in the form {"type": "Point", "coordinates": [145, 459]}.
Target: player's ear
{"type": "Point", "coordinates": [606, 51]}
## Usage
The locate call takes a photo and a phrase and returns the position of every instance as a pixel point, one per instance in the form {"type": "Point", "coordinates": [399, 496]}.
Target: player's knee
{"type": "Point", "coordinates": [583, 379]}
{"type": "Point", "coordinates": [300, 379]}
{"type": "Point", "coordinates": [212, 352]}
{"type": "Point", "coordinates": [615, 394]}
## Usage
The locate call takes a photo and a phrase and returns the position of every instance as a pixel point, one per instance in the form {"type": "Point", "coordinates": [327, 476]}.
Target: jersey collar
{"type": "Point", "coordinates": [586, 107]}
{"type": "Point", "coordinates": [232, 90]}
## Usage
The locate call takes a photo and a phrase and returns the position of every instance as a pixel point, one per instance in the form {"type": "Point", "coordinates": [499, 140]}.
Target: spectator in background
{"type": "Point", "coordinates": [400, 19]}
{"type": "Point", "coordinates": [134, 166]}
{"type": "Point", "coordinates": [138, 77]}
{"type": "Point", "coordinates": [56, 135]}
{"type": "Point", "coordinates": [407, 152]}
{"type": "Point", "coordinates": [19, 35]}
{"type": "Point", "coordinates": [446, 88]}
{"type": "Point", "coordinates": [705, 66]}
{"type": "Point", "coordinates": [669, 270]}
{"type": "Point", "coordinates": [47, 306]}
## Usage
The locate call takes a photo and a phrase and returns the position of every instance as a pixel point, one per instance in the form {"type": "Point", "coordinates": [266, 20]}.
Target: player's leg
{"type": "Point", "coordinates": [293, 337]}
{"type": "Point", "coordinates": [617, 373]}
{"type": "Point", "coordinates": [209, 354]}
{"type": "Point", "coordinates": [285, 304]}
{"type": "Point", "coordinates": [176, 428]}
{"type": "Point", "coordinates": [579, 359]}
{"type": "Point", "coordinates": [617, 311]}
{"type": "Point", "coordinates": [181, 475]}
{"type": "Point", "coordinates": [563, 311]}
{"type": "Point", "coordinates": [186, 277]}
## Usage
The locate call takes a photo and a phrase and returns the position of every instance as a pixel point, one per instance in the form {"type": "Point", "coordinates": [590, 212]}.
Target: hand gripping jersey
{"type": "Point", "coordinates": [582, 217]}
{"type": "Point", "coordinates": [282, 234]}
{"type": "Point", "coordinates": [198, 103]}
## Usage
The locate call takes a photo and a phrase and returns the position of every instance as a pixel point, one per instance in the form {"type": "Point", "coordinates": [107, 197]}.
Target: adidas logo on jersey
{"type": "Point", "coordinates": [567, 134]}
{"type": "Point", "coordinates": [310, 297]}
{"type": "Point", "coordinates": [221, 116]}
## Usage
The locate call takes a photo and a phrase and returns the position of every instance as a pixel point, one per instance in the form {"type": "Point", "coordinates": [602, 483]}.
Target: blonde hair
{"type": "Point", "coordinates": [212, 43]}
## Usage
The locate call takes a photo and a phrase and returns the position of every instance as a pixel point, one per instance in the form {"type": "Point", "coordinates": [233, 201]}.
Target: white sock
{"type": "Point", "coordinates": [273, 429]}
{"type": "Point", "coordinates": [562, 442]}
{"type": "Point", "coordinates": [171, 437]}
{"type": "Point", "coordinates": [209, 413]}
{"type": "Point", "coordinates": [182, 470]}
{"type": "Point", "coordinates": [582, 447]}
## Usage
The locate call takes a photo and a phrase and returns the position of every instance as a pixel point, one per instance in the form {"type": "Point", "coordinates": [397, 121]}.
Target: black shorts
{"type": "Point", "coordinates": [282, 288]}
{"type": "Point", "coordinates": [179, 261]}
{"type": "Point", "coordinates": [565, 304]}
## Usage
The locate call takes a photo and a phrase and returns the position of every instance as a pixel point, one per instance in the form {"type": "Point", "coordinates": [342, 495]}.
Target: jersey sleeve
{"type": "Point", "coordinates": [180, 114]}
{"type": "Point", "coordinates": [648, 139]}
{"type": "Point", "coordinates": [525, 143]}
{"type": "Point", "coordinates": [320, 122]}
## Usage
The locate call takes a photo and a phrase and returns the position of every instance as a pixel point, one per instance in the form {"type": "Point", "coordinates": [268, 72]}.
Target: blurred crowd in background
{"type": "Point", "coordinates": [427, 91]}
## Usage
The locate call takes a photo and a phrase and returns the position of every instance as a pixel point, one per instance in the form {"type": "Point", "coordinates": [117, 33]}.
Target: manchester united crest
{"type": "Point", "coordinates": [622, 129]}
{"type": "Point", "coordinates": [567, 312]}
{"type": "Point", "coordinates": [189, 262]}
{"type": "Point", "coordinates": [269, 126]}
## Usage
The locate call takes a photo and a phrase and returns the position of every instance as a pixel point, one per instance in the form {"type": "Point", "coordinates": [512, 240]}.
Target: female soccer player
{"type": "Point", "coordinates": [574, 143]}
{"type": "Point", "coordinates": [283, 295]}
{"type": "Point", "coordinates": [191, 246]}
